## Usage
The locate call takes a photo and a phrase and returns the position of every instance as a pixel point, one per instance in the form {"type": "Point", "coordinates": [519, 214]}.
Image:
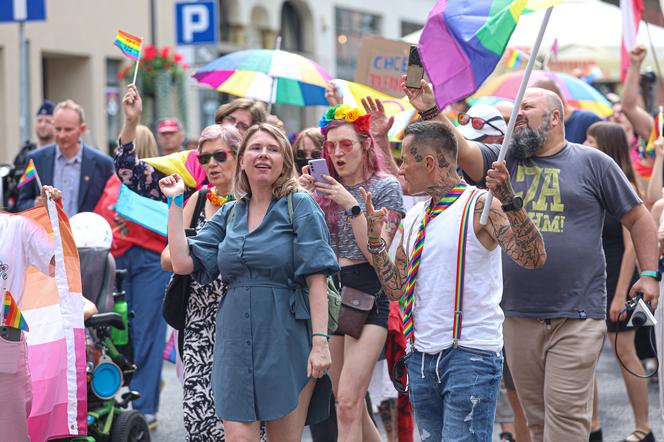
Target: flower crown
{"type": "Point", "coordinates": [344, 112]}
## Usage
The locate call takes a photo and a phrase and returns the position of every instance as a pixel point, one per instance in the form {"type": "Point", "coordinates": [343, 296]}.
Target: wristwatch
{"type": "Point", "coordinates": [652, 273]}
{"type": "Point", "coordinates": [354, 211]}
{"type": "Point", "coordinates": [516, 204]}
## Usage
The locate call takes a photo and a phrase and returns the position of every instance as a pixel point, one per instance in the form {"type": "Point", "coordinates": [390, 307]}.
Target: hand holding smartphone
{"type": "Point", "coordinates": [318, 168]}
{"type": "Point", "coordinates": [415, 71]}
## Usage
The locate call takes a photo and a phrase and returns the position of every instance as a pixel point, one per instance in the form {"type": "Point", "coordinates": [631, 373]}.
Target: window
{"type": "Point", "coordinates": [291, 28]}
{"type": "Point", "coordinates": [351, 26]}
{"type": "Point", "coordinates": [408, 27]}
{"type": "Point", "coordinates": [112, 100]}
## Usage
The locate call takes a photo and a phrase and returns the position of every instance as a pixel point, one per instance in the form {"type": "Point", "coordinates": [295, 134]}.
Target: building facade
{"type": "Point", "coordinates": [71, 54]}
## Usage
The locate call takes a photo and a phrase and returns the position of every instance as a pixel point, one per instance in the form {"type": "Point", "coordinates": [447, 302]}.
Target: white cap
{"type": "Point", "coordinates": [91, 230]}
{"type": "Point", "coordinates": [487, 113]}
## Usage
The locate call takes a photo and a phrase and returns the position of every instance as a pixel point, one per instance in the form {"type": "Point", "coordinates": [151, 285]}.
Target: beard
{"type": "Point", "coordinates": [527, 141]}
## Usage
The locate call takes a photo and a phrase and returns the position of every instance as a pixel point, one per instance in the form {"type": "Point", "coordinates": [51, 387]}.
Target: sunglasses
{"type": "Point", "coordinates": [301, 155]}
{"type": "Point", "coordinates": [219, 156]}
{"type": "Point", "coordinates": [476, 122]}
{"type": "Point", "coordinates": [345, 145]}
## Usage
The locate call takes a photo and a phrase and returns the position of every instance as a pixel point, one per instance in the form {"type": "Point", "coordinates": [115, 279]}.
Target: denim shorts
{"type": "Point", "coordinates": [363, 277]}
{"type": "Point", "coordinates": [454, 393]}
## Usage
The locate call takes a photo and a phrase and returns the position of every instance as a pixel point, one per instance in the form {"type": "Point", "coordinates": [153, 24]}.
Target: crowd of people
{"type": "Point", "coordinates": [474, 323]}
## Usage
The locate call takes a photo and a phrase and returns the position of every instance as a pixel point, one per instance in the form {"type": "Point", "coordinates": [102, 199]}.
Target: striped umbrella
{"type": "Point", "coordinates": [577, 92]}
{"type": "Point", "coordinates": [269, 75]}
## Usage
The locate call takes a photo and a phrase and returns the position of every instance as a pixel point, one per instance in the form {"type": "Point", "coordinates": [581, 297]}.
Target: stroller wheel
{"type": "Point", "coordinates": [130, 426]}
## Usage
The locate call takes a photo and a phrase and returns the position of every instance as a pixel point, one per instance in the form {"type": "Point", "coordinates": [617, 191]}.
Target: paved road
{"type": "Point", "coordinates": [615, 412]}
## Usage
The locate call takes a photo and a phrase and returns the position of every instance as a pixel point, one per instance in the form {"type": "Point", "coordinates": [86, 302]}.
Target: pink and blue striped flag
{"type": "Point", "coordinates": [463, 41]}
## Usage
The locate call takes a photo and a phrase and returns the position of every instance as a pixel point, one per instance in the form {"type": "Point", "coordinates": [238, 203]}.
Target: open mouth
{"type": "Point", "coordinates": [263, 166]}
{"type": "Point", "coordinates": [340, 163]}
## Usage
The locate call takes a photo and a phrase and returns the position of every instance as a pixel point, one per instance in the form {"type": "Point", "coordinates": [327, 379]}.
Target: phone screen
{"type": "Point", "coordinates": [415, 71]}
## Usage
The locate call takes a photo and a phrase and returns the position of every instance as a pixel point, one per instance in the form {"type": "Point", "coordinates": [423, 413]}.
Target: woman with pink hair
{"type": "Point", "coordinates": [355, 162]}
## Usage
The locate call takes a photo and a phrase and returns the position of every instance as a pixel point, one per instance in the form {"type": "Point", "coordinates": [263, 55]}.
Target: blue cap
{"type": "Point", "coordinates": [46, 108]}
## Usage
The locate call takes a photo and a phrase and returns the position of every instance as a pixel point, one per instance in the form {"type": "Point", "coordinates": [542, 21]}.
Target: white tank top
{"type": "Point", "coordinates": [433, 311]}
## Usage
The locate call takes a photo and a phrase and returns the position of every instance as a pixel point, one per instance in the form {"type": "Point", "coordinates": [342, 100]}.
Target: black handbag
{"type": "Point", "coordinates": [176, 298]}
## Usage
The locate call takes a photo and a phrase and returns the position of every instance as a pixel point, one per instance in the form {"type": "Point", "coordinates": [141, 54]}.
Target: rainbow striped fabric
{"type": "Point", "coordinates": [130, 45]}
{"type": "Point", "coordinates": [29, 175]}
{"type": "Point", "coordinates": [414, 263]}
{"type": "Point", "coordinates": [655, 133]}
{"type": "Point", "coordinates": [463, 41]}
{"type": "Point", "coordinates": [11, 314]}
{"type": "Point", "coordinates": [515, 58]}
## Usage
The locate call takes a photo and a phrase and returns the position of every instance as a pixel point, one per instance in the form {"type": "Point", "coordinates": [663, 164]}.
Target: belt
{"type": "Point", "coordinates": [10, 333]}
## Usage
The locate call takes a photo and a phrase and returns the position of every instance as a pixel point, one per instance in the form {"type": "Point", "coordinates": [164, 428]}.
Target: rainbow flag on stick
{"type": "Point", "coordinates": [29, 175]}
{"type": "Point", "coordinates": [655, 133]}
{"type": "Point", "coordinates": [463, 41]}
{"type": "Point", "coordinates": [131, 46]}
{"type": "Point", "coordinates": [515, 58]}
{"type": "Point", "coordinates": [11, 314]}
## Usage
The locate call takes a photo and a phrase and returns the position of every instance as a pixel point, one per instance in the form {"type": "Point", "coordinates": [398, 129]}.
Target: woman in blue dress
{"type": "Point", "coordinates": [271, 353]}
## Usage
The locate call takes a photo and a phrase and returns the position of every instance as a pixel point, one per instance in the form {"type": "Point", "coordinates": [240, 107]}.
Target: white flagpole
{"type": "Point", "coordinates": [138, 60]}
{"type": "Point", "coordinates": [517, 104]}
{"type": "Point", "coordinates": [273, 88]}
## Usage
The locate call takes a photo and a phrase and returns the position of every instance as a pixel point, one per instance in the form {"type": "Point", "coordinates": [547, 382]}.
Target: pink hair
{"type": "Point", "coordinates": [373, 165]}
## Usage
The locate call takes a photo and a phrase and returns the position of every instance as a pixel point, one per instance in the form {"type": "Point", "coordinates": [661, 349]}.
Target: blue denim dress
{"type": "Point", "coordinates": [263, 335]}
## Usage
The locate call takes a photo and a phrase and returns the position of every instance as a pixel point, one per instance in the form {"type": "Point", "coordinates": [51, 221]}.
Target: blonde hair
{"type": "Point", "coordinates": [287, 181]}
{"type": "Point", "coordinates": [71, 105]}
{"type": "Point", "coordinates": [146, 145]}
{"type": "Point", "coordinates": [313, 133]}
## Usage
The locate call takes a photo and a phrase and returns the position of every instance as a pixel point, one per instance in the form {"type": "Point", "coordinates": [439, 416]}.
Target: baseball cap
{"type": "Point", "coordinates": [489, 114]}
{"type": "Point", "coordinates": [46, 108]}
{"type": "Point", "coordinates": [169, 125]}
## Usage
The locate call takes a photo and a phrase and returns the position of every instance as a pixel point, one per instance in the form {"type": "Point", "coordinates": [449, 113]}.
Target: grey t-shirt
{"type": "Point", "coordinates": [385, 192]}
{"type": "Point", "coordinates": [566, 195]}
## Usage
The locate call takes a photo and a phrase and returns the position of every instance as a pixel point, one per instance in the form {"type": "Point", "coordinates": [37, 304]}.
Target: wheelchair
{"type": "Point", "coordinates": [109, 364]}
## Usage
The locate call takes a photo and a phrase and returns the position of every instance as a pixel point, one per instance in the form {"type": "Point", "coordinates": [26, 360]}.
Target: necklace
{"type": "Point", "coordinates": [216, 199]}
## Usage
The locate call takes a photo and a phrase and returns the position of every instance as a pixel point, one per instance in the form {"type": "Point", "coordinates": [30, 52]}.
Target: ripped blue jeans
{"type": "Point", "coordinates": [454, 393]}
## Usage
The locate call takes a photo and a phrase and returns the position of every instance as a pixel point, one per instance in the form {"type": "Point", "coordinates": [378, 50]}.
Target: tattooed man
{"type": "Point", "coordinates": [448, 268]}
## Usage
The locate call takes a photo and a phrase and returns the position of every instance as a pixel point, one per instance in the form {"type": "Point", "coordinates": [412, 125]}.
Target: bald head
{"type": "Point", "coordinates": [549, 100]}
{"type": "Point", "coordinates": [549, 85]}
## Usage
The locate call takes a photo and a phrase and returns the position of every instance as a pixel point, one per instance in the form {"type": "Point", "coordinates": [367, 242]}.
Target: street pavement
{"type": "Point", "coordinates": [615, 412]}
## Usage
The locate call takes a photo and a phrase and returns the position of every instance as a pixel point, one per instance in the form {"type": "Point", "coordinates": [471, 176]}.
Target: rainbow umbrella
{"type": "Point", "coordinates": [269, 75]}
{"type": "Point", "coordinates": [577, 92]}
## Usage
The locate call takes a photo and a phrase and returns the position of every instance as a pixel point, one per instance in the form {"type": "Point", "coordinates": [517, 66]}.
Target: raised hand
{"type": "Point", "coordinates": [659, 146]}
{"type": "Point", "coordinates": [172, 185]}
{"type": "Point", "coordinates": [376, 219]}
{"type": "Point", "coordinates": [332, 94]}
{"type": "Point", "coordinates": [336, 192]}
{"type": "Point", "coordinates": [380, 125]}
{"type": "Point", "coordinates": [422, 99]}
{"type": "Point", "coordinates": [637, 54]}
{"type": "Point", "coordinates": [498, 181]}
{"type": "Point", "coordinates": [132, 104]}
{"type": "Point", "coordinates": [52, 193]}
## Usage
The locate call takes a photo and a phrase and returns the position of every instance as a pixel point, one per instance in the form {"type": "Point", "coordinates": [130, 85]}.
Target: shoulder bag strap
{"type": "Point", "coordinates": [200, 205]}
{"type": "Point", "coordinates": [466, 219]}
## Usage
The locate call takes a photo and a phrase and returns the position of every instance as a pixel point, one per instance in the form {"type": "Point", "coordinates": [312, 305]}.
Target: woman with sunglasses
{"type": "Point", "coordinates": [355, 162]}
{"type": "Point", "coordinates": [307, 146]}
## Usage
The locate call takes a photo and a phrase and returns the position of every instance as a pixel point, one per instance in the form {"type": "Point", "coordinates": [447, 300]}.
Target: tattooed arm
{"type": "Point", "coordinates": [392, 275]}
{"type": "Point", "coordinates": [514, 231]}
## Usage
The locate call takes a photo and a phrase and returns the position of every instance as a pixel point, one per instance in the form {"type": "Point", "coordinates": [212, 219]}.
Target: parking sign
{"type": "Point", "coordinates": [196, 22]}
{"type": "Point", "coordinates": [22, 10]}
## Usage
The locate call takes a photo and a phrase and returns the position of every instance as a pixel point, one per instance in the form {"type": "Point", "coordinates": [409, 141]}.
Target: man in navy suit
{"type": "Point", "coordinates": [78, 170]}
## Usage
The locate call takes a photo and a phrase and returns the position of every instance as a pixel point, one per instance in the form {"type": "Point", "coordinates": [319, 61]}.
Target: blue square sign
{"type": "Point", "coordinates": [22, 10]}
{"type": "Point", "coordinates": [196, 22]}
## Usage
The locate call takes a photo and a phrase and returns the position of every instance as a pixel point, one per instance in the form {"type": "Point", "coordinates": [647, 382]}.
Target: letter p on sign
{"type": "Point", "coordinates": [196, 22]}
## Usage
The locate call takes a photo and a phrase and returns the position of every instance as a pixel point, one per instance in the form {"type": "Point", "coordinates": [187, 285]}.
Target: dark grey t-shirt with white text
{"type": "Point", "coordinates": [566, 196]}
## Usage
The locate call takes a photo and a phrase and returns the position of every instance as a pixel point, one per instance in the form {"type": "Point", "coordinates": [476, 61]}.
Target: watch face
{"type": "Point", "coordinates": [517, 202]}
{"type": "Point", "coordinates": [355, 210]}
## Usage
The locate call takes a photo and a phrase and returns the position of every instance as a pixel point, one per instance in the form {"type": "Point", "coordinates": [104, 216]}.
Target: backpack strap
{"type": "Point", "coordinates": [289, 198]}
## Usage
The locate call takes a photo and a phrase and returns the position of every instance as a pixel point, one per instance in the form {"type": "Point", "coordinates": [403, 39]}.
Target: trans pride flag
{"type": "Point", "coordinates": [463, 41]}
{"type": "Point", "coordinates": [53, 306]}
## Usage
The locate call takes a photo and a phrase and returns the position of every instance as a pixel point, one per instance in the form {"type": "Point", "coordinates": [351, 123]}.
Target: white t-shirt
{"type": "Point", "coordinates": [433, 310]}
{"type": "Point", "coordinates": [23, 243]}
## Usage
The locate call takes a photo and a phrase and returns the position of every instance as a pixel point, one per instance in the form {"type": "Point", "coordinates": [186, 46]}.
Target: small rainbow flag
{"type": "Point", "coordinates": [515, 59]}
{"type": "Point", "coordinates": [130, 45]}
{"type": "Point", "coordinates": [655, 133]}
{"type": "Point", "coordinates": [29, 175]}
{"type": "Point", "coordinates": [12, 316]}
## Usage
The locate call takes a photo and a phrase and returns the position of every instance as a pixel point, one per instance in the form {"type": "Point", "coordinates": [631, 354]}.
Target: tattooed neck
{"type": "Point", "coordinates": [448, 180]}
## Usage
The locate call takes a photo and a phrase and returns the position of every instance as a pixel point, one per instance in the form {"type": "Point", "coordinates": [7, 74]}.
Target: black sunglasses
{"type": "Point", "coordinates": [219, 156]}
{"type": "Point", "coordinates": [300, 155]}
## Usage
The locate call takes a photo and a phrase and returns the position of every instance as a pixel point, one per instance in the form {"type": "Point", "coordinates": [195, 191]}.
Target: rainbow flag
{"type": "Point", "coordinates": [53, 306]}
{"type": "Point", "coordinates": [29, 174]}
{"type": "Point", "coordinates": [515, 58]}
{"type": "Point", "coordinates": [130, 45]}
{"type": "Point", "coordinates": [655, 133]}
{"type": "Point", "coordinates": [11, 315]}
{"type": "Point", "coordinates": [463, 41]}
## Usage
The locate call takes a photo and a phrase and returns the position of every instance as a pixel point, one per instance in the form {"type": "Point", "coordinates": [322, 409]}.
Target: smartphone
{"type": "Point", "coordinates": [318, 168]}
{"type": "Point", "coordinates": [415, 71]}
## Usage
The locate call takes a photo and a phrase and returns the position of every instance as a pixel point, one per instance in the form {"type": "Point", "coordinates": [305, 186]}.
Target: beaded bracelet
{"type": "Point", "coordinates": [178, 200]}
{"type": "Point", "coordinates": [374, 248]}
{"type": "Point", "coordinates": [430, 114]}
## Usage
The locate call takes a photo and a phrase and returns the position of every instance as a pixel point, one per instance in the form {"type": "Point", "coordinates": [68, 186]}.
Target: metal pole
{"type": "Point", "coordinates": [24, 112]}
{"type": "Point", "coordinates": [273, 88]}
{"type": "Point", "coordinates": [153, 23]}
{"type": "Point", "coordinates": [517, 104]}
